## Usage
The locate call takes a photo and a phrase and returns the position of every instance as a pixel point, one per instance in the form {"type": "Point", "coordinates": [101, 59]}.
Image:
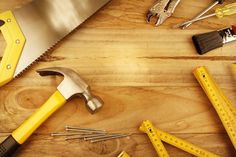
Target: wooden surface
{"type": "Point", "coordinates": [141, 72]}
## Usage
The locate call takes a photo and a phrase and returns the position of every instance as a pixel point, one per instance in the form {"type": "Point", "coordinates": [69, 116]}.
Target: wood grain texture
{"type": "Point", "coordinates": [141, 72]}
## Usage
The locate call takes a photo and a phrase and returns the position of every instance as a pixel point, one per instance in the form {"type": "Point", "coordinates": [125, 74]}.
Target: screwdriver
{"type": "Point", "coordinates": [205, 11]}
{"type": "Point", "coordinates": [227, 10]}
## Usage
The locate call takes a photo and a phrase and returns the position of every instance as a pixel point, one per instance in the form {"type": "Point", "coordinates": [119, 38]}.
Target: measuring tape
{"type": "Point", "coordinates": [221, 103]}
{"type": "Point", "coordinates": [123, 154]}
{"type": "Point", "coordinates": [157, 135]}
{"type": "Point", "coordinates": [148, 128]}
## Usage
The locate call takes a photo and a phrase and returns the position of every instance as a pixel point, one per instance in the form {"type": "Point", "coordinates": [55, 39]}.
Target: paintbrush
{"type": "Point", "coordinates": [209, 41]}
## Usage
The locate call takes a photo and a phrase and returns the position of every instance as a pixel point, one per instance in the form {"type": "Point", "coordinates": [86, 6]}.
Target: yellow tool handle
{"type": "Point", "coordinates": [123, 154]}
{"type": "Point", "coordinates": [15, 43]}
{"type": "Point", "coordinates": [184, 145]}
{"type": "Point", "coordinates": [22, 133]}
{"type": "Point", "coordinates": [147, 127]}
{"type": "Point", "coordinates": [226, 10]}
{"type": "Point", "coordinates": [222, 105]}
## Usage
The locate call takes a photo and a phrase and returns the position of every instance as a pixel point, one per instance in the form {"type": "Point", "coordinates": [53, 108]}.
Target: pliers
{"type": "Point", "coordinates": [162, 9]}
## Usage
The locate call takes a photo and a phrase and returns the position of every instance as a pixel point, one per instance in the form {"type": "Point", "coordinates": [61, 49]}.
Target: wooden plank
{"type": "Point", "coordinates": [128, 34]}
{"type": "Point", "coordinates": [140, 71]}
{"type": "Point", "coordinates": [137, 145]}
{"type": "Point", "coordinates": [171, 108]}
{"type": "Point", "coordinates": [131, 71]}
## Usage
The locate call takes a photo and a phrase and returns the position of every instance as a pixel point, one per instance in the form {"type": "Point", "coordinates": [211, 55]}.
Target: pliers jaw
{"type": "Point", "coordinates": [160, 17]}
{"type": "Point", "coordinates": [162, 9]}
{"type": "Point", "coordinates": [149, 15]}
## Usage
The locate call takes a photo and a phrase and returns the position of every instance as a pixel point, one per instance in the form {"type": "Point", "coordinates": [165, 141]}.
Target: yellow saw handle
{"type": "Point", "coordinates": [15, 43]}
{"type": "Point", "coordinates": [21, 134]}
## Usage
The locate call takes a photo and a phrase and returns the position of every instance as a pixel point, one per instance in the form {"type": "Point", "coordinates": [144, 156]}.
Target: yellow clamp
{"type": "Point", "coordinates": [15, 43]}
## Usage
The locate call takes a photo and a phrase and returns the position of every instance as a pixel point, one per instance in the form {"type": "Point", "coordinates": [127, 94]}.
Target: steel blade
{"type": "Point", "coordinates": [45, 22]}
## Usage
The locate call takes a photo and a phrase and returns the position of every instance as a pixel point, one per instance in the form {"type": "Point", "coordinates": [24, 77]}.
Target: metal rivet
{"type": "Point", "coordinates": [17, 41]}
{"type": "Point", "coordinates": [8, 66]}
{"type": "Point", "coordinates": [8, 20]}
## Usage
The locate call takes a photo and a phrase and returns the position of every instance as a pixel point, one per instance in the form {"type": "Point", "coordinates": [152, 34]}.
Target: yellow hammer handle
{"type": "Point", "coordinates": [26, 129]}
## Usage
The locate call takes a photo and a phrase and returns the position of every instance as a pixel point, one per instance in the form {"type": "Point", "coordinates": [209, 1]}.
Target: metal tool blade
{"type": "Point", "coordinates": [46, 22]}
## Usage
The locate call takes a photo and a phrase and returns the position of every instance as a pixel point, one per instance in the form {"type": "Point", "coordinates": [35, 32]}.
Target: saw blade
{"type": "Point", "coordinates": [46, 22]}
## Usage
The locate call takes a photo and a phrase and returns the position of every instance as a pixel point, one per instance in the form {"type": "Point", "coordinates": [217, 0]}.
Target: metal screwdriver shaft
{"type": "Point", "coordinates": [194, 20]}
{"type": "Point", "coordinates": [219, 12]}
{"type": "Point", "coordinates": [204, 12]}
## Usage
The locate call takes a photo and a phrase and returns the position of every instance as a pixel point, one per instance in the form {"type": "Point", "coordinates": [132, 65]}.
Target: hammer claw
{"type": "Point", "coordinates": [73, 85]}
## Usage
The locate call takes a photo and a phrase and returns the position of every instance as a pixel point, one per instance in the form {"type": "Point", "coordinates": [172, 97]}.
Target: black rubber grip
{"type": "Point", "coordinates": [220, 1]}
{"type": "Point", "coordinates": [8, 147]}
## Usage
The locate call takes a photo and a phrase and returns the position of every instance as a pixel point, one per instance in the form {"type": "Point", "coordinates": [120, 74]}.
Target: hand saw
{"type": "Point", "coordinates": [35, 28]}
{"type": "Point", "coordinates": [222, 105]}
{"type": "Point", "coordinates": [157, 136]}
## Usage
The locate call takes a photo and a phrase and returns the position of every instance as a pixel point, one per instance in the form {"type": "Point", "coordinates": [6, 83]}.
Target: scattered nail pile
{"type": "Point", "coordinates": [86, 134]}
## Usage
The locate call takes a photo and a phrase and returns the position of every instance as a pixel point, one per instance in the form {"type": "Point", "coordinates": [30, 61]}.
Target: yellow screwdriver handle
{"type": "Point", "coordinates": [229, 9]}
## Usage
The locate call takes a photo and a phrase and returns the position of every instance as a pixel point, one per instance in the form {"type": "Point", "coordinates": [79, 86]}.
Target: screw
{"type": "Point", "coordinates": [8, 66]}
{"type": "Point", "coordinates": [8, 20]}
{"type": "Point", "coordinates": [17, 41]}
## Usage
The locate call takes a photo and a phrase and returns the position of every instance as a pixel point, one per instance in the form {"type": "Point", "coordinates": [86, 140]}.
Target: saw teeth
{"type": "Point", "coordinates": [49, 50]}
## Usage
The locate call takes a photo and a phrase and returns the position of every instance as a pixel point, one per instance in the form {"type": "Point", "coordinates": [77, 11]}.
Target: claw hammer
{"type": "Point", "coordinates": [72, 85]}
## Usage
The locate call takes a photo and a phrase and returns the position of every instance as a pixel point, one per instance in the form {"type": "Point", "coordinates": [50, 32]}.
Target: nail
{"type": "Point", "coordinates": [73, 137]}
{"type": "Point", "coordinates": [66, 134]}
{"type": "Point", "coordinates": [86, 129]}
{"type": "Point", "coordinates": [105, 136]}
{"type": "Point", "coordinates": [108, 138]}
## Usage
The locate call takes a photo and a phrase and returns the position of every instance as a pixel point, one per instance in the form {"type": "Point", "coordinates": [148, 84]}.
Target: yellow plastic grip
{"type": "Point", "coordinates": [229, 9]}
{"type": "Point", "coordinates": [26, 129]}
{"type": "Point", "coordinates": [15, 43]}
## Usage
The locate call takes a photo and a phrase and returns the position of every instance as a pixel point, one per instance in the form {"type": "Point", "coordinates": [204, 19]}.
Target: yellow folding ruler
{"type": "Point", "coordinates": [234, 67]}
{"type": "Point", "coordinates": [222, 105]}
{"type": "Point", "coordinates": [123, 154]}
{"type": "Point", "coordinates": [157, 136]}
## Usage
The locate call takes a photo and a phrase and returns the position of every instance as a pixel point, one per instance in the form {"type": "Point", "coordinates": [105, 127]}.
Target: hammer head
{"type": "Point", "coordinates": [73, 85]}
